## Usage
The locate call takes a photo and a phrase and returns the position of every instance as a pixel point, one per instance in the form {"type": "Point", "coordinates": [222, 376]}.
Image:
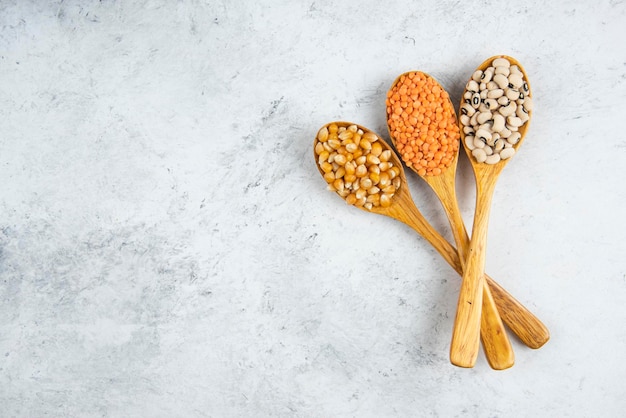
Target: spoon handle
{"type": "Point", "coordinates": [530, 330]}
{"type": "Point", "coordinates": [496, 344]}
{"type": "Point", "coordinates": [466, 331]}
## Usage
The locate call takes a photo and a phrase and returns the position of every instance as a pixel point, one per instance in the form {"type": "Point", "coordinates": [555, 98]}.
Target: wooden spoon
{"type": "Point", "coordinates": [520, 320]}
{"type": "Point", "coordinates": [496, 344]}
{"type": "Point", "coordinates": [465, 336]}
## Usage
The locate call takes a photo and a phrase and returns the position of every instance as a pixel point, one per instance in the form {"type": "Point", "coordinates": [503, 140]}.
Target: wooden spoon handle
{"type": "Point", "coordinates": [530, 330]}
{"type": "Point", "coordinates": [466, 331]}
{"type": "Point", "coordinates": [496, 344]}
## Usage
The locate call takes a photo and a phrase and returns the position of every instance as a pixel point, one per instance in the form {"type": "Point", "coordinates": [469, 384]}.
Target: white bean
{"type": "Point", "coordinates": [498, 122]}
{"type": "Point", "coordinates": [507, 153]}
{"type": "Point", "coordinates": [483, 117]}
{"type": "Point", "coordinates": [480, 155]}
{"type": "Point", "coordinates": [493, 159]}
{"type": "Point", "coordinates": [495, 93]}
{"type": "Point", "coordinates": [501, 62]}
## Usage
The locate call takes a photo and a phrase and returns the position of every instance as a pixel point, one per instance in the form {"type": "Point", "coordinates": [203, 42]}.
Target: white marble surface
{"type": "Point", "coordinates": [167, 247]}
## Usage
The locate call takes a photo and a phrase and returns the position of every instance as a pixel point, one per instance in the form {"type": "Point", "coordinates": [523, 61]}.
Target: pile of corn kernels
{"type": "Point", "coordinates": [356, 166]}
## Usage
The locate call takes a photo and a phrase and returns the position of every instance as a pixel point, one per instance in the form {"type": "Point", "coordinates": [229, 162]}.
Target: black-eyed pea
{"type": "Point", "coordinates": [464, 119]}
{"type": "Point", "coordinates": [477, 76]}
{"type": "Point", "coordinates": [498, 145]}
{"type": "Point", "coordinates": [501, 80]}
{"type": "Point", "coordinates": [487, 75]}
{"type": "Point", "coordinates": [507, 110]}
{"type": "Point", "coordinates": [514, 121]}
{"type": "Point", "coordinates": [493, 159]}
{"type": "Point", "coordinates": [498, 122]}
{"type": "Point", "coordinates": [495, 93]}
{"type": "Point", "coordinates": [501, 62]}
{"type": "Point", "coordinates": [515, 81]}
{"type": "Point", "coordinates": [469, 142]}
{"type": "Point", "coordinates": [467, 109]}
{"type": "Point", "coordinates": [492, 85]}
{"type": "Point", "coordinates": [488, 150]}
{"type": "Point", "coordinates": [478, 143]}
{"type": "Point", "coordinates": [479, 154]}
{"type": "Point", "coordinates": [483, 95]}
{"type": "Point", "coordinates": [528, 104]}
{"type": "Point", "coordinates": [507, 153]}
{"type": "Point", "coordinates": [483, 117]}
{"type": "Point", "coordinates": [514, 138]}
{"type": "Point", "coordinates": [502, 70]}
{"type": "Point", "coordinates": [471, 85]}
{"type": "Point", "coordinates": [512, 94]}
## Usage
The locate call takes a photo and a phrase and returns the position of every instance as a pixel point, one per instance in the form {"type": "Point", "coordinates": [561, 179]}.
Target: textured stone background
{"type": "Point", "coordinates": [167, 247]}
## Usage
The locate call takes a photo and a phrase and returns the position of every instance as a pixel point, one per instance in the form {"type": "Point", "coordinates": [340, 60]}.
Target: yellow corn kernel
{"type": "Point", "coordinates": [373, 190]}
{"type": "Point", "coordinates": [384, 166]}
{"type": "Point", "coordinates": [349, 178]}
{"type": "Point", "coordinates": [366, 183]}
{"type": "Point", "coordinates": [323, 157]}
{"type": "Point", "coordinates": [361, 160]}
{"type": "Point", "coordinates": [385, 180]}
{"type": "Point", "coordinates": [329, 177]}
{"type": "Point", "coordinates": [361, 194]}
{"type": "Point", "coordinates": [341, 171]}
{"type": "Point", "coordinates": [322, 135]}
{"type": "Point", "coordinates": [394, 172]}
{"type": "Point", "coordinates": [350, 167]}
{"type": "Point", "coordinates": [319, 147]}
{"type": "Point", "coordinates": [340, 159]}
{"type": "Point", "coordinates": [372, 159]}
{"type": "Point", "coordinates": [353, 128]}
{"type": "Point", "coordinates": [374, 198]}
{"type": "Point", "coordinates": [385, 155]}
{"type": "Point", "coordinates": [334, 143]}
{"type": "Point", "coordinates": [375, 177]}
{"type": "Point", "coordinates": [389, 189]}
{"type": "Point", "coordinates": [370, 136]}
{"type": "Point", "coordinates": [326, 167]}
{"type": "Point", "coordinates": [374, 169]}
{"type": "Point", "coordinates": [396, 182]}
{"type": "Point", "coordinates": [360, 171]}
{"type": "Point", "coordinates": [385, 200]}
{"type": "Point", "coordinates": [377, 149]}
{"type": "Point", "coordinates": [360, 202]}
{"type": "Point", "coordinates": [351, 147]}
{"type": "Point", "coordinates": [365, 144]}
{"type": "Point", "coordinates": [351, 199]}
{"type": "Point", "coordinates": [332, 128]}
{"type": "Point", "coordinates": [345, 135]}
{"type": "Point", "coordinates": [338, 184]}
{"type": "Point", "coordinates": [368, 206]}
